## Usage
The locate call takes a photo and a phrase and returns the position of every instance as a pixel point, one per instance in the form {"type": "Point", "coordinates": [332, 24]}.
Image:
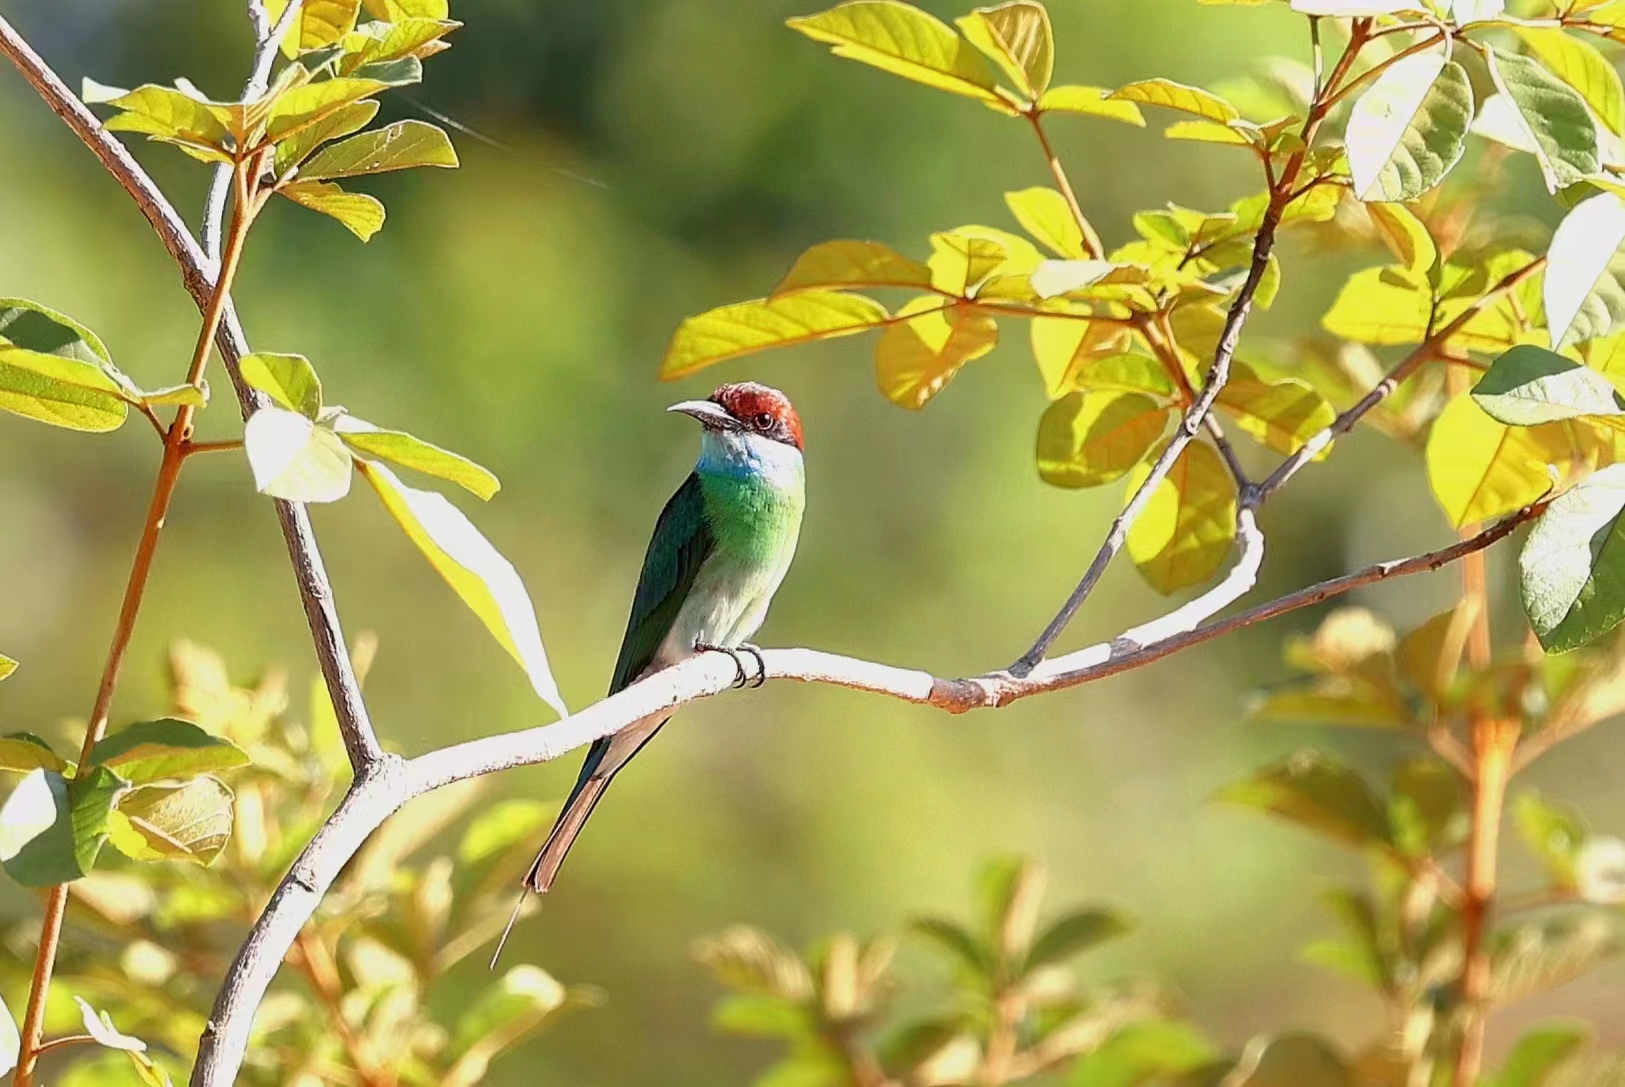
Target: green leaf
{"type": "Point", "coordinates": [1045, 214]}
{"type": "Point", "coordinates": [1480, 468]}
{"type": "Point", "coordinates": [298, 147]}
{"type": "Point", "coordinates": [500, 826]}
{"type": "Point", "coordinates": [170, 114]}
{"type": "Point", "coordinates": [7, 666]}
{"type": "Point", "coordinates": [1017, 37]}
{"type": "Point", "coordinates": [1554, 119]}
{"type": "Point", "coordinates": [417, 454]}
{"type": "Point", "coordinates": [21, 752]}
{"type": "Point", "coordinates": [1554, 833]}
{"type": "Point", "coordinates": [956, 941]}
{"type": "Point", "coordinates": [1091, 102]}
{"type": "Point", "coordinates": [188, 821]}
{"type": "Point", "coordinates": [1582, 67]}
{"type": "Point", "coordinates": [400, 146]}
{"type": "Point", "coordinates": [1074, 934]}
{"type": "Point", "coordinates": [166, 748]}
{"type": "Point", "coordinates": [63, 392]}
{"type": "Point", "coordinates": [1572, 567]}
{"type": "Point", "coordinates": [1317, 792]}
{"type": "Point", "coordinates": [852, 264]}
{"type": "Point", "coordinates": [296, 459]}
{"type": "Point", "coordinates": [1143, 1053]}
{"type": "Point", "coordinates": [1425, 807]}
{"type": "Point", "coordinates": [358, 213]}
{"type": "Point", "coordinates": [1409, 129]}
{"type": "Point", "coordinates": [1280, 414]}
{"type": "Point", "coordinates": [311, 104]}
{"type": "Point", "coordinates": [1186, 529]}
{"type": "Point", "coordinates": [31, 325]}
{"type": "Point", "coordinates": [190, 396]}
{"type": "Point", "coordinates": [1540, 1055]}
{"type": "Point", "coordinates": [51, 829]}
{"type": "Point", "coordinates": [1089, 438]}
{"type": "Point", "coordinates": [916, 358]}
{"type": "Point", "coordinates": [747, 327]}
{"type": "Point", "coordinates": [1381, 306]}
{"type": "Point", "coordinates": [901, 39]}
{"type": "Point", "coordinates": [290, 380]}
{"type": "Point", "coordinates": [1177, 96]}
{"type": "Point", "coordinates": [481, 577]}
{"type": "Point", "coordinates": [1584, 286]}
{"type": "Point", "coordinates": [1406, 235]}
{"type": "Point", "coordinates": [99, 1025]}
{"type": "Point", "coordinates": [757, 1016]}
{"type": "Point", "coordinates": [525, 995]}
{"type": "Point", "coordinates": [1529, 385]}
{"type": "Point", "coordinates": [317, 23]}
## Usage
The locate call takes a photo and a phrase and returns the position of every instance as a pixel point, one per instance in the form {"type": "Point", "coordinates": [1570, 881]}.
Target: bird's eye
{"type": "Point", "coordinates": [763, 421]}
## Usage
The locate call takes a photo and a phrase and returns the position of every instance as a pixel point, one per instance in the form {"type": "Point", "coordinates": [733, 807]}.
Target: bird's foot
{"type": "Point", "coordinates": [733, 654]}
{"type": "Point", "coordinates": [761, 665]}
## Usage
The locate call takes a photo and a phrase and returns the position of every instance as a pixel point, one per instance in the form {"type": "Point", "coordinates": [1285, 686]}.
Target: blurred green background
{"type": "Point", "coordinates": [648, 159]}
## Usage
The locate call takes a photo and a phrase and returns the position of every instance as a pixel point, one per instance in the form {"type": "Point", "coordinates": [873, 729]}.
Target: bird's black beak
{"type": "Point", "coordinates": [712, 416]}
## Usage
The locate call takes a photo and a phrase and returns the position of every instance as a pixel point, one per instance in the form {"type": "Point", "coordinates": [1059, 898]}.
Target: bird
{"type": "Point", "coordinates": [720, 550]}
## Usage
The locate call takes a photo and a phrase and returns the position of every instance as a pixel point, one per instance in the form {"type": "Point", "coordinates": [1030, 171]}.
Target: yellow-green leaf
{"type": "Point", "coordinates": [1405, 235]}
{"type": "Point", "coordinates": [1409, 129]}
{"type": "Point", "coordinates": [846, 264]}
{"type": "Point", "coordinates": [1062, 344]}
{"type": "Point", "coordinates": [1045, 214]}
{"type": "Point", "coordinates": [746, 327]}
{"type": "Point", "coordinates": [410, 452]}
{"type": "Point", "coordinates": [7, 666]}
{"type": "Point", "coordinates": [64, 392]}
{"type": "Point", "coordinates": [312, 103]}
{"type": "Point", "coordinates": [901, 39]}
{"type": "Point", "coordinates": [168, 113]}
{"type": "Point", "coordinates": [1577, 63]}
{"type": "Point", "coordinates": [357, 212]}
{"type": "Point", "coordinates": [290, 380]}
{"type": "Point", "coordinates": [1017, 37]}
{"type": "Point", "coordinates": [298, 147]}
{"type": "Point", "coordinates": [1281, 414]}
{"type": "Point", "coordinates": [188, 821]}
{"type": "Point", "coordinates": [960, 262]}
{"type": "Point", "coordinates": [1211, 132]}
{"type": "Point", "coordinates": [190, 396]}
{"type": "Point", "coordinates": [1381, 306]}
{"type": "Point", "coordinates": [395, 11]}
{"type": "Point", "coordinates": [1480, 468]}
{"type": "Point", "coordinates": [915, 358]}
{"type": "Point", "coordinates": [400, 146]}
{"type": "Point", "coordinates": [1091, 102]}
{"type": "Point", "coordinates": [1089, 438]}
{"type": "Point", "coordinates": [1584, 287]}
{"type": "Point", "coordinates": [479, 575]}
{"type": "Point", "coordinates": [1555, 121]}
{"type": "Point", "coordinates": [318, 23]}
{"type": "Point", "coordinates": [295, 459]}
{"type": "Point", "coordinates": [1185, 530]}
{"type": "Point", "coordinates": [1177, 96]}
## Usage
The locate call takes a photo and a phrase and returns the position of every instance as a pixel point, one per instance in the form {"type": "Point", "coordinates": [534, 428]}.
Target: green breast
{"type": "Point", "coordinates": [753, 518]}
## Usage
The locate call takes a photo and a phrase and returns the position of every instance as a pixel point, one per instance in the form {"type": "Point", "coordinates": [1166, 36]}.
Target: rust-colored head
{"type": "Point", "coordinates": [750, 408]}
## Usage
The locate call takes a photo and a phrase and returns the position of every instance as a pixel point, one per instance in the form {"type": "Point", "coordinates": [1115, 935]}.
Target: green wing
{"type": "Point", "coordinates": [682, 539]}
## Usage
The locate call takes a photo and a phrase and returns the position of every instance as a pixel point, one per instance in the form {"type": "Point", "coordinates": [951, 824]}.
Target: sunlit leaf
{"type": "Point", "coordinates": [21, 752]}
{"type": "Point", "coordinates": [961, 261]}
{"type": "Point", "coordinates": [1319, 793]}
{"type": "Point", "coordinates": [290, 380]}
{"type": "Point", "coordinates": [1354, 7]}
{"type": "Point", "coordinates": [294, 458]}
{"type": "Point", "coordinates": [188, 821]}
{"type": "Point", "coordinates": [399, 146]}
{"type": "Point", "coordinates": [846, 264]}
{"type": "Point", "coordinates": [166, 748]}
{"type": "Point", "coordinates": [360, 214]}
{"type": "Point", "coordinates": [1539, 1056]}
{"type": "Point", "coordinates": [481, 577]}
{"type": "Point", "coordinates": [499, 826]}
{"type": "Point", "coordinates": [7, 666]}
{"type": "Point", "coordinates": [1016, 36]}
{"type": "Point", "coordinates": [1480, 468]}
{"type": "Point", "coordinates": [1426, 806]}
{"type": "Point", "coordinates": [1600, 871]}
{"type": "Point", "coordinates": [1572, 567]}
{"type": "Point", "coordinates": [415, 453]}
{"type": "Point", "coordinates": [99, 1025]}
{"type": "Point", "coordinates": [901, 39]}
{"type": "Point", "coordinates": [1405, 235]}
{"type": "Point", "coordinates": [915, 358]}
{"type": "Point", "coordinates": [1281, 414]}
{"type": "Point", "coordinates": [747, 959]}
{"type": "Point", "coordinates": [1578, 63]}
{"type": "Point", "coordinates": [51, 829]}
{"type": "Point", "coordinates": [1091, 102]}
{"type": "Point", "coordinates": [1529, 385]}
{"type": "Point", "coordinates": [1409, 128]}
{"type": "Point", "coordinates": [1381, 306]}
{"type": "Point", "coordinates": [1210, 132]}
{"type": "Point", "coordinates": [746, 327]}
{"type": "Point", "coordinates": [1554, 118]}
{"type": "Point", "coordinates": [35, 327]}
{"type": "Point", "coordinates": [1177, 96]}
{"type": "Point", "coordinates": [1187, 527]}
{"type": "Point", "coordinates": [168, 113]}
{"type": "Point", "coordinates": [61, 391]}
{"type": "Point", "coordinates": [1585, 271]}
{"type": "Point", "coordinates": [1089, 438]}
{"type": "Point", "coordinates": [298, 147]}
{"type": "Point", "coordinates": [1143, 1053]}
{"type": "Point", "coordinates": [1045, 214]}
{"type": "Point", "coordinates": [1062, 345]}
{"type": "Point", "coordinates": [1553, 832]}
{"type": "Point", "coordinates": [1053, 278]}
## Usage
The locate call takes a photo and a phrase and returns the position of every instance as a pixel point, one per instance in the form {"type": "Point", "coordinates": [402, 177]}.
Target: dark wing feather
{"type": "Point", "coordinates": [682, 540]}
